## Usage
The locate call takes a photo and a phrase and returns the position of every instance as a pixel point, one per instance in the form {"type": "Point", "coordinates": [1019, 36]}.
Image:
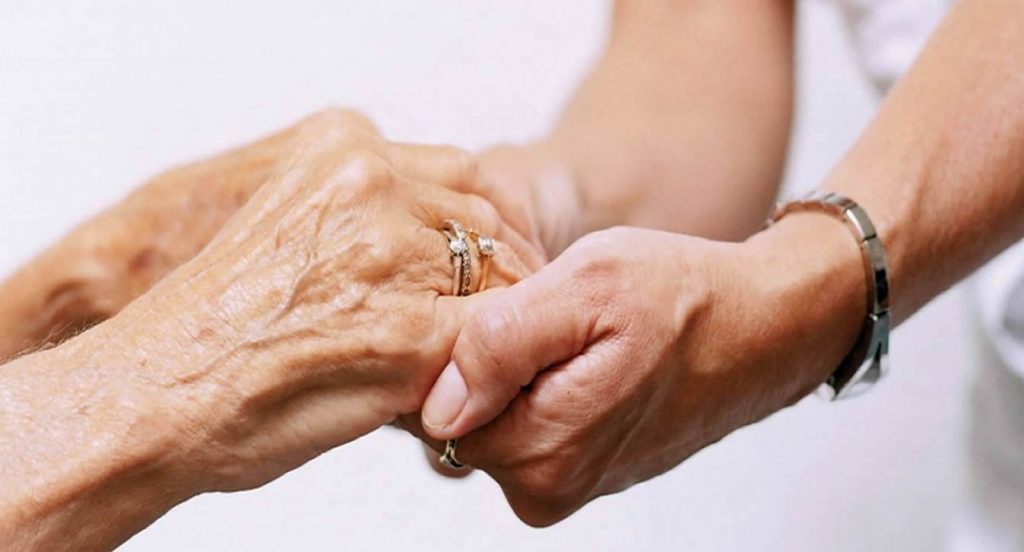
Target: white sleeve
{"type": "Point", "coordinates": [888, 34]}
{"type": "Point", "coordinates": [999, 288]}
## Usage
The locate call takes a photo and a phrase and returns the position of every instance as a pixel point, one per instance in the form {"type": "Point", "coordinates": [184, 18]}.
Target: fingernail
{"type": "Point", "coordinates": [446, 400]}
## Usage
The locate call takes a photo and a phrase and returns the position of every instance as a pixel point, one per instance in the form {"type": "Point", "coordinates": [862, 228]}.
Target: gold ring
{"type": "Point", "coordinates": [485, 246]}
{"type": "Point", "coordinates": [458, 248]}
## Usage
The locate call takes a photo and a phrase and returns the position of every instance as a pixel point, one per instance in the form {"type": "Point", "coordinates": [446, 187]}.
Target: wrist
{"type": "Point", "coordinates": [146, 425]}
{"type": "Point", "coordinates": [102, 461]}
{"type": "Point", "coordinates": [811, 272]}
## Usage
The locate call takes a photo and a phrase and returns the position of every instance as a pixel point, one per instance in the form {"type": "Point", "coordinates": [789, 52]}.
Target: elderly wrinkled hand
{"type": "Point", "coordinates": [321, 311]}
{"type": "Point", "coordinates": [323, 306]}
{"type": "Point", "coordinates": [117, 255]}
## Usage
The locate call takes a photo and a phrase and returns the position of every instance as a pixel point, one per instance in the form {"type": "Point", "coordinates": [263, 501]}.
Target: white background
{"type": "Point", "coordinates": [97, 96]}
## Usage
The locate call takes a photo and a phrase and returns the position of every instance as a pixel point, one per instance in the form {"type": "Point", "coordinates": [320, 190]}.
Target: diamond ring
{"type": "Point", "coordinates": [458, 247]}
{"type": "Point", "coordinates": [484, 245]}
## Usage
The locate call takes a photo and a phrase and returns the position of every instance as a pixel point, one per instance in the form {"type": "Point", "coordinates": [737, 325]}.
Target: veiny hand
{"type": "Point", "coordinates": [116, 256]}
{"type": "Point", "coordinates": [634, 349]}
{"type": "Point", "coordinates": [319, 313]}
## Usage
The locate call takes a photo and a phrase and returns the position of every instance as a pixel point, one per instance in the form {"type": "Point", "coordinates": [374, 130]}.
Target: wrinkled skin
{"type": "Point", "coordinates": [320, 312]}
{"type": "Point", "coordinates": [116, 256]}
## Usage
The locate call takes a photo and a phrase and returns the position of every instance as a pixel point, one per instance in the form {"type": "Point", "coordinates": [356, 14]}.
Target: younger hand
{"type": "Point", "coordinates": [634, 349]}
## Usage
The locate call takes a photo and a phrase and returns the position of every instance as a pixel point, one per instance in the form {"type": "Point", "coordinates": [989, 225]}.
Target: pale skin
{"type": "Point", "coordinates": [667, 343]}
{"type": "Point", "coordinates": [319, 313]}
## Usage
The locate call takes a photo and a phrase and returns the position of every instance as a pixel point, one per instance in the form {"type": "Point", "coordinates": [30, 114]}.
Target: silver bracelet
{"type": "Point", "coordinates": [868, 362]}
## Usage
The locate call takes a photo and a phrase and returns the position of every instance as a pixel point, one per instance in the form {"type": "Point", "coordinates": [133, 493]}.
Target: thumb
{"type": "Point", "coordinates": [509, 338]}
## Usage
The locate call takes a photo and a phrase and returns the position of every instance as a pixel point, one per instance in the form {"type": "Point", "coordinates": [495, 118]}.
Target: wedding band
{"type": "Point", "coordinates": [458, 247]}
{"type": "Point", "coordinates": [448, 458]}
{"type": "Point", "coordinates": [485, 245]}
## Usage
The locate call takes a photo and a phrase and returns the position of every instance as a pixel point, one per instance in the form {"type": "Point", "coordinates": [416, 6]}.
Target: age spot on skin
{"type": "Point", "coordinates": [143, 261]}
{"type": "Point", "coordinates": [206, 334]}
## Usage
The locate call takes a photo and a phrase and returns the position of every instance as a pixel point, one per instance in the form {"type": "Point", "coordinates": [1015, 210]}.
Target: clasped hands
{"type": "Point", "coordinates": [321, 310]}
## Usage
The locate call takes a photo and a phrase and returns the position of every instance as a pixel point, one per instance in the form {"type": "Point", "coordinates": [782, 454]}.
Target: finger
{"type": "Point", "coordinates": [442, 165]}
{"type": "Point", "coordinates": [507, 340]}
{"type": "Point", "coordinates": [333, 130]}
{"type": "Point", "coordinates": [440, 204]}
{"type": "Point", "coordinates": [470, 179]}
{"type": "Point", "coordinates": [503, 269]}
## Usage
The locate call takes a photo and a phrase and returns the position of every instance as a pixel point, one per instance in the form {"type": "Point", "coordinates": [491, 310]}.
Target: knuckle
{"type": "Point", "coordinates": [379, 254]}
{"type": "Point", "coordinates": [367, 169]}
{"type": "Point", "coordinates": [338, 126]}
{"type": "Point", "coordinates": [342, 134]}
{"type": "Point", "coordinates": [338, 116]}
{"type": "Point", "coordinates": [466, 163]}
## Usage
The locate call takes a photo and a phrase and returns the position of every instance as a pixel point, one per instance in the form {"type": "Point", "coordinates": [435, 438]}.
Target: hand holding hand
{"type": "Point", "coordinates": [634, 349]}
{"type": "Point", "coordinates": [321, 310]}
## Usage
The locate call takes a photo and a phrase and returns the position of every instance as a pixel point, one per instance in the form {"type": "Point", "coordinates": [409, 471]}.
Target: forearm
{"type": "Point", "coordinates": [86, 448]}
{"type": "Point", "coordinates": [683, 124]}
{"type": "Point", "coordinates": [941, 168]}
{"type": "Point", "coordinates": [88, 276]}
{"type": "Point", "coordinates": [116, 256]}
{"type": "Point", "coordinates": [49, 299]}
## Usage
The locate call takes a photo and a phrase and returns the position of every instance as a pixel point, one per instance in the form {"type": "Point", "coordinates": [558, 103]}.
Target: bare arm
{"type": "Point", "coordinates": [682, 126]}
{"type": "Point", "coordinates": [320, 312]}
{"type": "Point", "coordinates": [91, 453]}
{"type": "Point", "coordinates": [116, 256]}
{"type": "Point", "coordinates": [941, 167]}
{"type": "Point", "coordinates": [682, 340]}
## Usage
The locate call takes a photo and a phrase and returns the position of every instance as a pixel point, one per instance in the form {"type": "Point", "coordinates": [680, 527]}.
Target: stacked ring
{"type": "Point", "coordinates": [458, 247]}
